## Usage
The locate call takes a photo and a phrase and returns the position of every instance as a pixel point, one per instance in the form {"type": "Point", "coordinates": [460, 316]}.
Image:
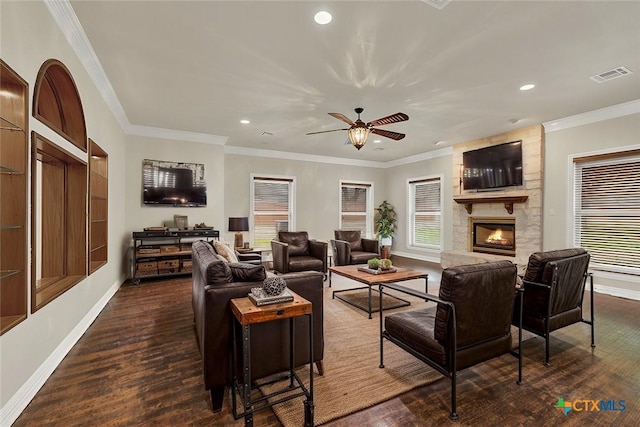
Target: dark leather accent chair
{"type": "Point", "coordinates": [554, 285]}
{"type": "Point", "coordinates": [294, 251]}
{"type": "Point", "coordinates": [470, 324]}
{"type": "Point", "coordinates": [350, 248]}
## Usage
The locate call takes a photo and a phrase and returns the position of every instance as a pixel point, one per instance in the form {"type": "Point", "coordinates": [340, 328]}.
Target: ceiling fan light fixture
{"type": "Point", "coordinates": [358, 136]}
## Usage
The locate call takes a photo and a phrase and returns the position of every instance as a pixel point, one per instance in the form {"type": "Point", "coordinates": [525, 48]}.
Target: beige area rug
{"type": "Point", "coordinates": [353, 380]}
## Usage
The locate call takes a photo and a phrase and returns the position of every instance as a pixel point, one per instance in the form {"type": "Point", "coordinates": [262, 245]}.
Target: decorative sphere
{"type": "Point", "coordinates": [273, 286]}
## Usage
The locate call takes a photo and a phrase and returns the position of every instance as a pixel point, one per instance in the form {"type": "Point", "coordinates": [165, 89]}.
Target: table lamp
{"type": "Point", "coordinates": [238, 224]}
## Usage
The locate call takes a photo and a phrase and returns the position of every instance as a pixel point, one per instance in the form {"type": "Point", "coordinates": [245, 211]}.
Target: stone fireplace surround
{"type": "Point", "coordinates": [527, 213]}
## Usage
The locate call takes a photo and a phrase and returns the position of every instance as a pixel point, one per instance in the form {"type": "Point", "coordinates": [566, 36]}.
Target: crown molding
{"type": "Point", "coordinates": [606, 113]}
{"type": "Point", "coordinates": [446, 151]}
{"type": "Point", "coordinates": [177, 135]}
{"type": "Point", "coordinates": [242, 151]}
{"type": "Point", "coordinates": [68, 22]}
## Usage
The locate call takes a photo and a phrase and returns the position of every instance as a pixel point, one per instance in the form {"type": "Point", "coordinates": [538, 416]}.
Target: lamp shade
{"type": "Point", "coordinates": [358, 135]}
{"type": "Point", "coordinates": [238, 224]}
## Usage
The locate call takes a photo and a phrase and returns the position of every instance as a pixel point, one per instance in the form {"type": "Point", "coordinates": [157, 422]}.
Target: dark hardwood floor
{"type": "Point", "coordinates": [138, 364]}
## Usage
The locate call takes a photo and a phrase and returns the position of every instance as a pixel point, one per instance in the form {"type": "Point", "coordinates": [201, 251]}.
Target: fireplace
{"type": "Point", "coordinates": [493, 235]}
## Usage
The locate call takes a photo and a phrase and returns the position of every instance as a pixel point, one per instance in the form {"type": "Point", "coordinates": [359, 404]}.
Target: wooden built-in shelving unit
{"type": "Point", "coordinates": [59, 188]}
{"type": "Point", "coordinates": [14, 93]}
{"type": "Point", "coordinates": [98, 206]}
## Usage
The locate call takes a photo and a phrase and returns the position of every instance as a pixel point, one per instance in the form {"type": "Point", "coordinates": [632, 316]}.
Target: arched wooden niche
{"type": "Point", "coordinates": [57, 104]}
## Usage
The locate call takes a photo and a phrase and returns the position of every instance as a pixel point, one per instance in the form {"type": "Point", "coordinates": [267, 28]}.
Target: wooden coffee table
{"type": "Point", "coordinates": [371, 280]}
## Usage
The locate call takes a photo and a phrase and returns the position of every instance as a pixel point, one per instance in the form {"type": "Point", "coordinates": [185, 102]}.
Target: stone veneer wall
{"type": "Point", "coordinates": [528, 215]}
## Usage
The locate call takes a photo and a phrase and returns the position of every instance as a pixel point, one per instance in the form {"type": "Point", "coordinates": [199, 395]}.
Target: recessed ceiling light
{"type": "Point", "coordinates": [438, 143]}
{"type": "Point", "coordinates": [528, 86]}
{"type": "Point", "coordinates": [323, 17]}
{"type": "Point", "coordinates": [377, 141]}
{"type": "Point", "coordinates": [379, 149]}
{"type": "Point", "coordinates": [245, 121]}
{"type": "Point", "coordinates": [513, 121]}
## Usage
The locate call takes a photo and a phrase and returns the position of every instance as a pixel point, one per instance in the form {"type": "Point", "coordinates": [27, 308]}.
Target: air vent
{"type": "Point", "coordinates": [610, 75]}
{"type": "Point", "coordinates": [438, 4]}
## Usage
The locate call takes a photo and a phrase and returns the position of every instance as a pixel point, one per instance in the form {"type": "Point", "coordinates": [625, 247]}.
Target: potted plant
{"type": "Point", "coordinates": [385, 221]}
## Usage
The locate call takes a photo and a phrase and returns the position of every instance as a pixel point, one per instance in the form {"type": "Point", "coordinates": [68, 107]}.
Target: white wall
{"type": "Point", "coordinates": [397, 195]}
{"type": "Point", "coordinates": [139, 148]}
{"type": "Point", "coordinates": [30, 351]}
{"type": "Point", "coordinates": [317, 189]}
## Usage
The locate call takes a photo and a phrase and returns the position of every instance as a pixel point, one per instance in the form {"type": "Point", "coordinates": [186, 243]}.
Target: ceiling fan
{"type": "Point", "coordinates": [359, 130]}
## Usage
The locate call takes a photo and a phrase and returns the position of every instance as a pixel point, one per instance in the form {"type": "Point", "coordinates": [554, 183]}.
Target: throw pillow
{"type": "Point", "coordinates": [242, 272]}
{"type": "Point", "coordinates": [218, 272]}
{"type": "Point", "coordinates": [225, 251]}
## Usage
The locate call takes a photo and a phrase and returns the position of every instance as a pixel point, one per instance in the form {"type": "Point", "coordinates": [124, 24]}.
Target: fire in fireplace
{"type": "Point", "coordinates": [493, 235]}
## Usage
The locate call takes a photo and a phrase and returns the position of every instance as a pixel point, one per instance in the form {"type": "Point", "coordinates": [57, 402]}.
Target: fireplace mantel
{"type": "Point", "coordinates": [508, 201]}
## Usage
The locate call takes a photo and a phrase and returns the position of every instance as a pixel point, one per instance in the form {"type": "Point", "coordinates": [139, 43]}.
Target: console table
{"type": "Point", "coordinates": [165, 253]}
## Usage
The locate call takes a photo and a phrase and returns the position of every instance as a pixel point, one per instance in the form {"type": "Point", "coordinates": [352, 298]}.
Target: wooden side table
{"type": "Point", "coordinates": [247, 314]}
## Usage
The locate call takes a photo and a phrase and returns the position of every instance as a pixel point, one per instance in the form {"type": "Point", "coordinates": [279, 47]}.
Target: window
{"type": "Point", "coordinates": [425, 212]}
{"type": "Point", "coordinates": [356, 207]}
{"type": "Point", "coordinates": [607, 211]}
{"type": "Point", "coordinates": [272, 208]}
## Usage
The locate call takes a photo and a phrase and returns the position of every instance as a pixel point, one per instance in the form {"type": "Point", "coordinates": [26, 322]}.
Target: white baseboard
{"type": "Point", "coordinates": [10, 412]}
{"type": "Point", "coordinates": [616, 292]}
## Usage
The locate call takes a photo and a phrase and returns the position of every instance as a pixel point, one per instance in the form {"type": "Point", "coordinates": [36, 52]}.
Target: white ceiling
{"type": "Point", "coordinates": [201, 66]}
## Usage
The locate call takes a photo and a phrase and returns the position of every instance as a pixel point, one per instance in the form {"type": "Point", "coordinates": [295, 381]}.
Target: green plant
{"type": "Point", "coordinates": [385, 263]}
{"type": "Point", "coordinates": [385, 220]}
{"type": "Point", "coordinates": [374, 263]}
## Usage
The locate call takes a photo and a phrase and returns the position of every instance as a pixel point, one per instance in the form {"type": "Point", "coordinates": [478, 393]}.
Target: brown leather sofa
{"type": "Point", "coordinates": [215, 283]}
{"type": "Point", "coordinates": [294, 251]}
{"type": "Point", "coordinates": [350, 248]}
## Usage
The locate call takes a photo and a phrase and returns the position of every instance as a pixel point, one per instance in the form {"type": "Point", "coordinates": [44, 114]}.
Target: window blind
{"type": "Point", "coordinates": [426, 207]}
{"type": "Point", "coordinates": [607, 212]}
{"type": "Point", "coordinates": [354, 207]}
{"type": "Point", "coordinates": [272, 209]}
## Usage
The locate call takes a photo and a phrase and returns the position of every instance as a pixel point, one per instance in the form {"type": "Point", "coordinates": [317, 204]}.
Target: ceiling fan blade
{"type": "Point", "coordinates": [394, 118]}
{"type": "Point", "coordinates": [342, 117]}
{"type": "Point", "coordinates": [325, 131]}
{"type": "Point", "coordinates": [389, 134]}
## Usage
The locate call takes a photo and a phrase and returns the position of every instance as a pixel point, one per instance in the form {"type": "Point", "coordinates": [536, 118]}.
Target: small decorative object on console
{"type": "Point", "coordinates": [203, 226]}
{"type": "Point", "coordinates": [273, 286]}
{"type": "Point", "coordinates": [181, 222]}
{"type": "Point", "coordinates": [258, 297]}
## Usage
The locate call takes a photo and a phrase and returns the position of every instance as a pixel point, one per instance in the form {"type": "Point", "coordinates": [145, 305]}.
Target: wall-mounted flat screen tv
{"type": "Point", "coordinates": [173, 184]}
{"type": "Point", "coordinates": [493, 167]}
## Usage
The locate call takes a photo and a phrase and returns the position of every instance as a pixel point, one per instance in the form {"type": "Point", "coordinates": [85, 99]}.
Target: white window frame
{"type": "Point", "coordinates": [411, 182]}
{"type": "Point", "coordinates": [577, 162]}
{"type": "Point", "coordinates": [292, 200]}
{"type": "Point", "coordinates": [369, 204]}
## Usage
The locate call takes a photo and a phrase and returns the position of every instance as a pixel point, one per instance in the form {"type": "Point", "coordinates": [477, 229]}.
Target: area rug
{"type": "Point", "coordinates": [352, 378]}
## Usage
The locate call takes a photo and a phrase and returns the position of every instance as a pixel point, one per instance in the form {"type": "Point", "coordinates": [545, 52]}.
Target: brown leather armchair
{"type": "Point", "coordinates": [294, 251]}
{"type": "Point", "coordinates": [350, 248]}
{"type": "Point", "coordinates": [470, 324]}
{"type": "Point", "coordinates": [554, 284]}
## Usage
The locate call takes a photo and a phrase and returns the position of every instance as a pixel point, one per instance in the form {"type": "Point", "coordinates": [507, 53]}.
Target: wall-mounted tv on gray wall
{"type": "Point", "coordinates": [173, 184]}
